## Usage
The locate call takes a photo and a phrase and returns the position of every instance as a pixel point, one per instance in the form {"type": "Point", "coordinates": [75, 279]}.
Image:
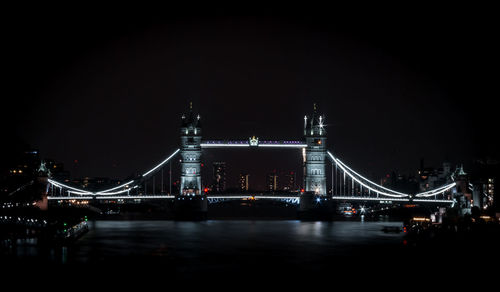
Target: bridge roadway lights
{"type": "Point", "coordinates": [190, 207]}
{"type": "Point", "coordinates": [313, 207]}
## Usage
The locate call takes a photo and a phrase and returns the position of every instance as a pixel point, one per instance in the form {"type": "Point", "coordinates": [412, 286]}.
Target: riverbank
{"type": "Point", "coordinates": [465, 242]}
{"type": "Point", "coordinates": [31, 225]}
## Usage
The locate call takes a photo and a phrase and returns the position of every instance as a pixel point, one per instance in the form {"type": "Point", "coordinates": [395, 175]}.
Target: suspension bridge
{"type": "Point", "coordinates": [347, 185]}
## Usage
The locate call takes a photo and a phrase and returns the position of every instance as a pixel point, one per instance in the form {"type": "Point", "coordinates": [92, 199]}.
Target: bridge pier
{"type": "Point", "coordinates": [193, 207]}
{"type": "Point", "coordinates": [313, 207]}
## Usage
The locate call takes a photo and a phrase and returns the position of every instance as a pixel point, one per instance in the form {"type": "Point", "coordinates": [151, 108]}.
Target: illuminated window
{"type": "Point", "coordinates": [191, 170]}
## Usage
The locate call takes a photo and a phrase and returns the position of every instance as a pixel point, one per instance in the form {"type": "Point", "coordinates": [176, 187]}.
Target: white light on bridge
{"type": "Point", "coordinates": [343, 165]}
{"type": "Point", "coordinates": [284, 145]}
{"type": "Point", "coordinates": [161, 163]}
{"type": "Point", "coordinates": [363, 184]}
{"type": "Point", "coordinates": [222, 145]}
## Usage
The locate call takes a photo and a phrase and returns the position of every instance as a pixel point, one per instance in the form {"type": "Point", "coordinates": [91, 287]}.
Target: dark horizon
{"type": "Point", "coordinates": [395, 88]}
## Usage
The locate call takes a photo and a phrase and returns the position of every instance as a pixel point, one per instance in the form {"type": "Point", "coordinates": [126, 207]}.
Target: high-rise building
{"type": "Point", "coordinates": [489, 189]}
{"type": "Point", "coordinates": [272, 182]}
{"type": "Point", "coordinates": [486, 196]}
{"type": "Point", "coordinates": [289, 182]}
{"type": "Point", "coordinates": [244, 183]}
{"type": "Point", "coordinates": [219, 178]}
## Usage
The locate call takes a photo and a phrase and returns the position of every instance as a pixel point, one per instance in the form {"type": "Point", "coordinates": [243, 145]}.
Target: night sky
{"type": "Point", "coordinates": [107, 88]}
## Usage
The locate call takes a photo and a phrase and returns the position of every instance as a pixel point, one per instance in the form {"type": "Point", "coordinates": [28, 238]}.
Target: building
{"type": "Point", "coordinates": [431, 178]}
{"type": "Point", "coordinates": [97, 183]}
{"type": "Point", "coordinates": [463, 193]}
{"type": "Point", "coordinates": [484, 193]}
{"type": "Point", "coordinates": [244, 182]}
{"type": "Point", "coordinates": [18, 172]}
{"type": "Point", "coordinates": [486, 173]}
{"type": "Point", "coordinates": [56, 170]}
{"type": "Point", "coordinates": [25, 164]}
{"type": "Point", "coordinates": [400, 182]}
{"type": "Point", "coordinates": [289, 181]}
{"type": "Point", "coordinates": [219, 176]}
{"type": "Point", "coordinates": [272, 182]}
{"type": "Point", "coordinates": [489, 192]}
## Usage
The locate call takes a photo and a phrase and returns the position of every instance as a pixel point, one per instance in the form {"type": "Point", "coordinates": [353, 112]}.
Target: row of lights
{"type": "Point", "coordinates": [190, 198]}
{"type": "Point", "coordinates": [12, 205]}
{"type": "Point", "coordinates": [19, 219]}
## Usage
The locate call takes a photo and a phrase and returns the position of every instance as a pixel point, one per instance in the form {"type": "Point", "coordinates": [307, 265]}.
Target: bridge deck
{"type": "Point", "coordinates": [246, 197]}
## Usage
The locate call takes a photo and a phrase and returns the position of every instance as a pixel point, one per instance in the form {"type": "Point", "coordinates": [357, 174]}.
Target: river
{"type": "Point", "coordinates": [216, 247]}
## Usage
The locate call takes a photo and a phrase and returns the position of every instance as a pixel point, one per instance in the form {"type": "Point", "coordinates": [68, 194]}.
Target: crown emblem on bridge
{"type": "Point", "coordinates": [253, 141]}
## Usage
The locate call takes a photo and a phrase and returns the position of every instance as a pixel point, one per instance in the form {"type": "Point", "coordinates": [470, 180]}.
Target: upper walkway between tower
{"type": "Point", "coordinates": [252, 142]}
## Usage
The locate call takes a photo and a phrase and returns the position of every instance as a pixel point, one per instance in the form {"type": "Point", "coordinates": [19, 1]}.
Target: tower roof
{"type": "Point", "coordinates": [190, 119]}
{"type": "Point", "coordinates": [314, 124]}
{"type": "Point", "coordinates": [461, 170]}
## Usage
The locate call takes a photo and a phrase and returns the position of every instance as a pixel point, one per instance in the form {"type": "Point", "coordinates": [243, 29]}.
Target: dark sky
{"type": "Point", "coordinates": [396, 85]}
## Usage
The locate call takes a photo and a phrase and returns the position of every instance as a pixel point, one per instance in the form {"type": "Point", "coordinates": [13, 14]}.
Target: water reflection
{"type": "Point", "coordinates": [219, 245]}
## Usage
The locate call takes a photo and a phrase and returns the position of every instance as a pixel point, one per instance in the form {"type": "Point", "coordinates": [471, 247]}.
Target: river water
{"type": "Point", "coordinates": [216, 247]}
{"type": "Point", "coordinates": [244, 252]}
{"type": "Point", "coordinates": [224, 239]}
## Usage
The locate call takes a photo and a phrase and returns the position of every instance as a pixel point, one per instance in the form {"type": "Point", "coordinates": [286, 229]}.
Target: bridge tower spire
{"type": "Point", "coordinates": [315, 153]}
{"type": "Point", "coordinates": [190, 153]}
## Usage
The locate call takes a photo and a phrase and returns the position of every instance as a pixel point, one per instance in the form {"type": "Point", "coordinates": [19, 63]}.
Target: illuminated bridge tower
{"type": "Point", "coordinates": [315, 154]}
{"type": "Point", "coordinates": [190, 153]}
